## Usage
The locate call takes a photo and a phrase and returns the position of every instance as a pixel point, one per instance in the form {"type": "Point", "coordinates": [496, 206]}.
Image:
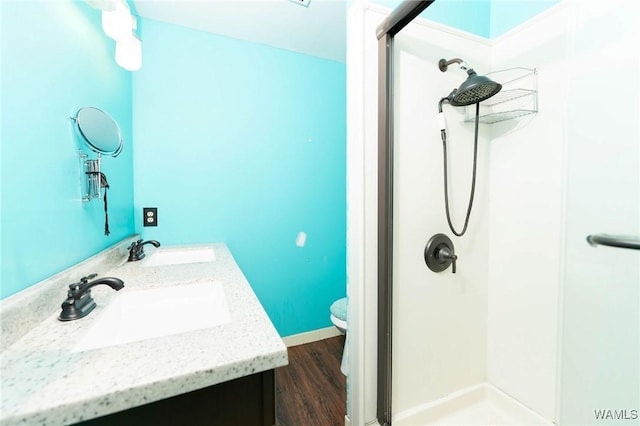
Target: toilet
{"type": "Point", "coordinates": [338, 317]}
{"type": "Point", "coordinates": [338, 311]}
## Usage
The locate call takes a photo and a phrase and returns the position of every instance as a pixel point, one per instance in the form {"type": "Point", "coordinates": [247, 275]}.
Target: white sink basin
{"type": "Point", "coordinates": [178, 256]}
{"type": "Point", "coordinates": [145, 314]}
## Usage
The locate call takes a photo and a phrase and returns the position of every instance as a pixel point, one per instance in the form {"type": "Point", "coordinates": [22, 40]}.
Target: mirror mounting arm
{"type": "Point", "coordinates": [91, 187]}
{"type": "Point", "coordinates": [101, 134]}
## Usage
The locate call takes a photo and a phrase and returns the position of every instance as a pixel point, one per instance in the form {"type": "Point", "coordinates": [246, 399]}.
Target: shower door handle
{"type": "Point", "coordinates": [614, 241]}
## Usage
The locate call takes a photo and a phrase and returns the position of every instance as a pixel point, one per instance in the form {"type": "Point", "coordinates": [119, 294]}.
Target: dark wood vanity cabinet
{"type": "Point", "coordinates": [246, 401]}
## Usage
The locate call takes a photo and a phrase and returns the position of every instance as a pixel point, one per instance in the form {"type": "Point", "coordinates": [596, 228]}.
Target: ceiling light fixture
{"type": "Point", "coordinates": [129, 53]}
{"type": "Point", "coordinates": [106, 5]}
{"type": "Point", "coordinates": [117, 24]}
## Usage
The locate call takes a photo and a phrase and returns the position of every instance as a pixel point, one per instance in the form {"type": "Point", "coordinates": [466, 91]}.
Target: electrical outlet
{"type": "Point", "coordinates": [149, 216]}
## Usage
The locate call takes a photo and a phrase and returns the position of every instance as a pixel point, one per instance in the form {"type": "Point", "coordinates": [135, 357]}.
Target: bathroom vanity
{"type": "Point", "coordinates": [219, 374]}
{"type": "Point", "coordinates": [249, 400]}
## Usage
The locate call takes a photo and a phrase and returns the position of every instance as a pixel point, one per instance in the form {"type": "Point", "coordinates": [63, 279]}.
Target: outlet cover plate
{"type": "Point", "coordinates": [149, 216]}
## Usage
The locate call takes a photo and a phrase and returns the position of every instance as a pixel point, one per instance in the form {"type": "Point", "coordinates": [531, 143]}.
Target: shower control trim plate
{"type": "Point", "coordinates": [439, 253]}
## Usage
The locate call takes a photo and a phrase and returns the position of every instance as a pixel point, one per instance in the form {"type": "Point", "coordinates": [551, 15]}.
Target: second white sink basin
{"type": "Point", "coordinates": [179, 256]}
{"type": "Point", "coordinates": [145, 314]}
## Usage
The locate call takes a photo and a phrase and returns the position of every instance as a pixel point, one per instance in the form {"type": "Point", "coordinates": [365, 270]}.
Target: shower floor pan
{"type": "Point", "coordinates": [482, 404]}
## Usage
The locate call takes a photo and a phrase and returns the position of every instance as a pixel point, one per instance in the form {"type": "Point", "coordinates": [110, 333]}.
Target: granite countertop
{"type": "Point", "coordinates": [45, 382]}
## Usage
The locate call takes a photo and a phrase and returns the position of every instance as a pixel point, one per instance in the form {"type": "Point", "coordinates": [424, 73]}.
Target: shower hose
{"type": "Point", "coordinates": [443, 134]}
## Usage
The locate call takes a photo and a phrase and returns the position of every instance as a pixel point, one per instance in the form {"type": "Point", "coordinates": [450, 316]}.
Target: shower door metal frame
{"type": "Point", "coordinates": [396, 21]}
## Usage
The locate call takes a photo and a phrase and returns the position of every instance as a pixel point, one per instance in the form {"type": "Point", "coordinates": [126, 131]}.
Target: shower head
{"type": "Point", "coordinates": [476, 88]}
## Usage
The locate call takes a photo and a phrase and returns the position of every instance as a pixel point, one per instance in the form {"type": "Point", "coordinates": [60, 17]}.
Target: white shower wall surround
{"type": "Point", "coordinates": [499, 319]}
{"type": "Point", "coordinates": [447, 313]}
{"type": "Point", "coordinates": [525, 249]}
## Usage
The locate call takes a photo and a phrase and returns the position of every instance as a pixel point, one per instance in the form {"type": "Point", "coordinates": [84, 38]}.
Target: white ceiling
{"type": "Point", "coordinates": [318, 30]}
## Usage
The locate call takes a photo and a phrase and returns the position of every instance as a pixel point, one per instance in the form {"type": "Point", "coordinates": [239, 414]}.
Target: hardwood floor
{"type": "Point", "coordinates": [311, 390]}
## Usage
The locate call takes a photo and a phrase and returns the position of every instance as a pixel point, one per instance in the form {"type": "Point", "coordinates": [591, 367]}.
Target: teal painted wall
{"type": "Point", "coordinates": [485, 18]}
{"type": "Point", "coordinates": [55, 59]}
{"type": "Point", "coordinates": [508, 14]}
{"type": "Point", "coordinates": [246, 144]}
{"type": "Point", "coordinates": [472, 16]}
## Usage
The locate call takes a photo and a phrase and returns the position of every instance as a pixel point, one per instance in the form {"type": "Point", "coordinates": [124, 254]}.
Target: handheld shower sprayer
{"type": "Point", "coordinates": [475, 89]}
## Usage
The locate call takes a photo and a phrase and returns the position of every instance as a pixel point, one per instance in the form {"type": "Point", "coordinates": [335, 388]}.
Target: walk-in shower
{"type": "Point", "coordinates": [536, 326]}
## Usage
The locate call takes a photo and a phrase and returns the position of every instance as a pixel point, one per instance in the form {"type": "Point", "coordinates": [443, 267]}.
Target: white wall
{"type": "Point", "coordinates": [526, 185]}
{"type": "Point", "coordinates": [362, 133]}
{"type": "Point", "coordinates": [439, 323]}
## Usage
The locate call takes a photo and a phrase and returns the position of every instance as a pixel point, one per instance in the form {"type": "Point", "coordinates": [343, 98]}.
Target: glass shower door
{"type": "Point", "coordinates": [600, 357]}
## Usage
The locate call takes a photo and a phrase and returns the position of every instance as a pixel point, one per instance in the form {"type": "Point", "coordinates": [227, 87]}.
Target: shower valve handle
{"type": "Point", "coordinates": [444, 254]}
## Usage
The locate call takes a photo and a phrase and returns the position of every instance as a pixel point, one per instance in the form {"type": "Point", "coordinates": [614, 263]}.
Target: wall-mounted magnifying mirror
{"type": "Point", "coordinates": [102, 135]}
{"type": "Point", "coordinates": [99, 130]}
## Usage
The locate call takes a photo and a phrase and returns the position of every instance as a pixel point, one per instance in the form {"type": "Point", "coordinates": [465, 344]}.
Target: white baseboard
{"type": "Point", "coordinates": [311, 336]}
